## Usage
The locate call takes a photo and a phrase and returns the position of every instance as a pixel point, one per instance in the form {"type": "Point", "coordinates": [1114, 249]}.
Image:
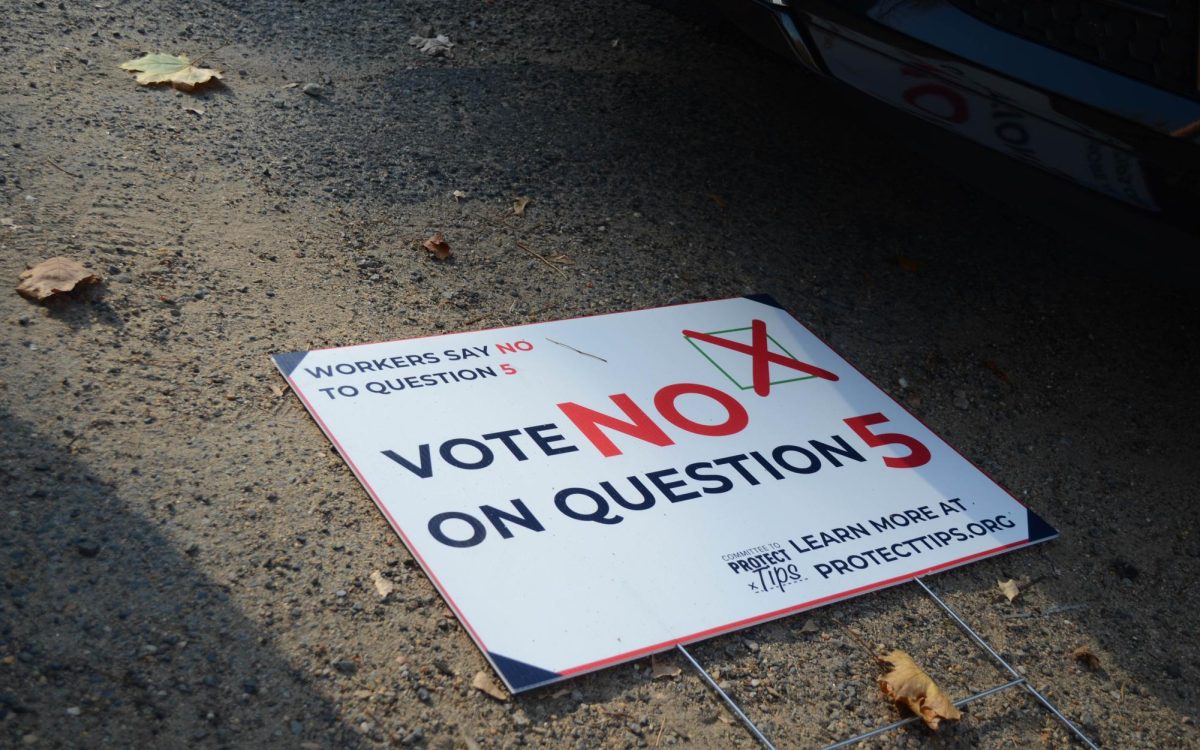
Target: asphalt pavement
{"type": "Point", "coordinates": [186, 563]}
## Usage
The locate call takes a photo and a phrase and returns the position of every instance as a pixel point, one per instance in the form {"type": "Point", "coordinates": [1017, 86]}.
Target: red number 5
{"type": "Point", "coordinates": [918, 454]}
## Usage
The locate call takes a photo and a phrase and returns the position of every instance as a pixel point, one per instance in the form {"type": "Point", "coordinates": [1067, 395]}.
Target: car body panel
{"type": "Point", "coordinates": [980, 106]}
{"type": "Point", "coordinates": [1119, 137]}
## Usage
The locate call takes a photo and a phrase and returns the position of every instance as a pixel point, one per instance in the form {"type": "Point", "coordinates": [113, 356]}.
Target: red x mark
{"type": "Point", "coordinates": [762, 356]}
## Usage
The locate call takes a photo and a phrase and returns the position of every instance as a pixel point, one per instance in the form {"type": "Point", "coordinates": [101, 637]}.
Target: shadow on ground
{"type": "Point", "coordinates": [109, 634]}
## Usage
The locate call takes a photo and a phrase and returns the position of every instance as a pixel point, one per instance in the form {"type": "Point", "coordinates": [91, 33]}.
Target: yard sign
{"type": "Point", "coordinates": [585, 492]}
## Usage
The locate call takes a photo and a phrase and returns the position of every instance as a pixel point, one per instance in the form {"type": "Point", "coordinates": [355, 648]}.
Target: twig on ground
{"type": "Point", "coordinates": [1065, 608]}
{"type": "Point", "coordinates": [200, 59]}
{"type": "Point", "coordinates": [1046, 613]}
{"type": "Point", "coordinates": [542, 258]}
{"type": "Point", "coordinates": [660, 732]}
{"type": "Point", "coordinates": [858, 639]}
{"type": "Point", "coordinates": [156, 363]}
{"type": "Point", "coordinates": [60, 169]}
{"type": "Point", "coordinates": [498, 221]}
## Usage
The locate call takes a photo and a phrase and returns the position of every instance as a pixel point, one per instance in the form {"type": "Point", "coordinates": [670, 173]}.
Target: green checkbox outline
{"type": "Point", "coordinates": [736, 384]}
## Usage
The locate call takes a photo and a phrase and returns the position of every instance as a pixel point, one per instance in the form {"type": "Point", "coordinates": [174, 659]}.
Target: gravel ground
{"type": "Point", "coordinates": [185, 562]}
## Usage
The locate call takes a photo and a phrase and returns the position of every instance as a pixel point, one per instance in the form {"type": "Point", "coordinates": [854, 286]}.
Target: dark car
{"type": "Point", "coordinates": [1091, 107]}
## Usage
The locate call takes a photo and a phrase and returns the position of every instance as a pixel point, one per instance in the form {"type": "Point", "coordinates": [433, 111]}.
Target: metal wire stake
{"type": "Point", "coordinates": [905, 722]}
{"type": "Point", "coordinates": [737, 711]}
{"type": "Point", "coordinates": [984, 645]}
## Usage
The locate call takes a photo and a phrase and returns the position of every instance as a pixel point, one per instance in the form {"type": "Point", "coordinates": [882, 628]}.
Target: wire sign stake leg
{"type": "Point", "coordinates": [984, 645]}
{"type": "Point", "coordinates": [737, 711]}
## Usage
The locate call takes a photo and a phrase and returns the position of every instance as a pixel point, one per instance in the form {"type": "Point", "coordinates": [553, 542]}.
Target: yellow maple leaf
{"type": "Point", "coordinates": [908, 685]}
{"type": "Point", "coordinates": [178, 71]}
{"type": "Point", "coordinates": [1009, 588]}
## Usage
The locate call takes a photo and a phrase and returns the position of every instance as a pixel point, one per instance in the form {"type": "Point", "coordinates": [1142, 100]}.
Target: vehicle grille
{"type": "Point", "coordinates": [1151, 40]}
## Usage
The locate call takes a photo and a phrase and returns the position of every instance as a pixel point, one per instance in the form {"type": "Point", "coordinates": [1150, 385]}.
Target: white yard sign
{"type": "Point", "coordinates": [585, 492]}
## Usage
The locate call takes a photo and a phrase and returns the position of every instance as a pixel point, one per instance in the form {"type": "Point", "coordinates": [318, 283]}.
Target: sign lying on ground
{"type": "Point", "coordinates": [585, 492]}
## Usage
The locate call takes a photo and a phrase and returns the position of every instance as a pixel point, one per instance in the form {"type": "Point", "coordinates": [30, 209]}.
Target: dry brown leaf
{"type": "Point", "coordinates": [1009, 589]}
{"type": "Point", "coordinates": [382, 585]}
{"type": "Point", "coordinates": [484, 682]}
{"type": "Point", "coordinates": [435, 46]}
{"type": "Point", "coordinates": [660, 670]}
{"type": "Point", "coordinates": [437, 246]}
{"type": "Point", "coordinates": [1084, 656]}
{"type": "Point", "coordinates": [54, 276]}
{"type": "Point", "coordinates": [908, 685]}
{"type": "Point", "coordinates": [996, 369]}
{"type": "Point", "coordinates": [519, 205]}
{"type": "Point", "coordinates": [458, 195]}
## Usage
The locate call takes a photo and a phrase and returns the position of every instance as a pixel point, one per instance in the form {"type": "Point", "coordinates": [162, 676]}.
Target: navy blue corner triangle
{"type": "Point", "coordinates": [1038, 529]}
{"type": "Point", "coordinates": [288, 362]}
{"type": "Point", "coordinates": [765, 299]}
{"type": "Point", "coordinates": [519, 675]}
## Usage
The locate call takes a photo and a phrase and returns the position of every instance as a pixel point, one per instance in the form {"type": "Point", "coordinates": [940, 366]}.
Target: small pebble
{"type": "Point", "coordinates": [87, 548]}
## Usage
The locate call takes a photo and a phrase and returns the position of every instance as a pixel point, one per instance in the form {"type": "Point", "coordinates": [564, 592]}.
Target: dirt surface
{"type": "Point", "coordinates": [185, 562]}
